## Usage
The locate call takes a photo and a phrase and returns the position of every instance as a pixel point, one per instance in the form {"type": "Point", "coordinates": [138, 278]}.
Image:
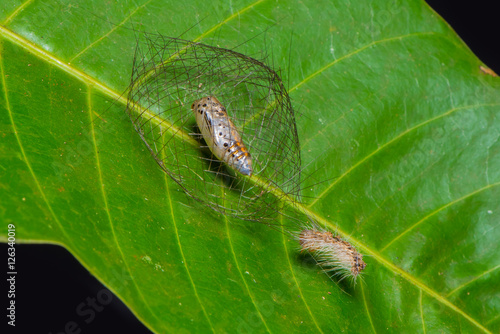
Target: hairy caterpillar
{"type": "Point", "coordinates": [221, 134]}
{"type": "Point", "coordinates": [332, 253]}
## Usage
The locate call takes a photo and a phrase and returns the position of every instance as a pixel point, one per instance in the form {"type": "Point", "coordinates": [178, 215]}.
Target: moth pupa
{"type": "Point", "coordinates": [221, 134]}
{"type": "Point", "coordinates": [256, 137]}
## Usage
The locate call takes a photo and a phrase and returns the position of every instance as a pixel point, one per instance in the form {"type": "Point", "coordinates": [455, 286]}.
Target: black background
{"type": "Point", "coordinates": [477, 23]}
{"type": "Point", "coordinates": [51, 284]}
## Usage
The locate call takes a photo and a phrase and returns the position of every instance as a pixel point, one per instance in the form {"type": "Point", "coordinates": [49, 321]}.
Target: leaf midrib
{"type": "Point", "coordinates": [44, 55]}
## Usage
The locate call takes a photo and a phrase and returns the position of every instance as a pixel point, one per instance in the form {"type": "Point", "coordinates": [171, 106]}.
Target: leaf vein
{"type": "Point", "coordinates": [106, 205]}
{"type": "Point", "coordinates": [233, 254]}
{"type": "Point", "coordinates": [17, 11]}
{"type": "Point", "coordinates": [390, 142]}
{"type": "Point", "coordinates": [365, 304]}
{"type": "Point", "coordinates": [296, 282]}
{"type": "Point", "coordinates": [238, 13]}
{"type": "Point", "coordinates": [23, 152]}
{"type": "Point", "coordinates": [367, 46]}
{"type": "Point", "coordinates": [184, 261]}
{"type": "Point", "coordinates": [421, 311]}
{"type": "Point", "coordinates": [116, 26]}
{"type": "Point", "coordinates": [437, 211]}
{"type": "Point", "coordinates": [472, 280]}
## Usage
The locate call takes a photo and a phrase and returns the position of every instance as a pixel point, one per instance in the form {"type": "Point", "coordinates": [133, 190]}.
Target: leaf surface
{"type": "Point", "coordinates": [396, 121]}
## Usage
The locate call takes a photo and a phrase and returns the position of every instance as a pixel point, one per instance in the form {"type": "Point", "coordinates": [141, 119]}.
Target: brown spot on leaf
{"type": "Point", "coordinates": [488, 71]}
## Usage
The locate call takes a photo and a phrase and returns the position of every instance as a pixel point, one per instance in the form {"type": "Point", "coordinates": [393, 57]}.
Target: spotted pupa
{"type": "Point", "coordinates": [221, 134]}
{"type": "Point", "coordinates": [211, 156]}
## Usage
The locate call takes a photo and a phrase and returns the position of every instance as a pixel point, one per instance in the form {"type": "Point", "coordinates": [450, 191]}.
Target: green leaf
{"type": "Point", "coordinates": [396, 121]}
